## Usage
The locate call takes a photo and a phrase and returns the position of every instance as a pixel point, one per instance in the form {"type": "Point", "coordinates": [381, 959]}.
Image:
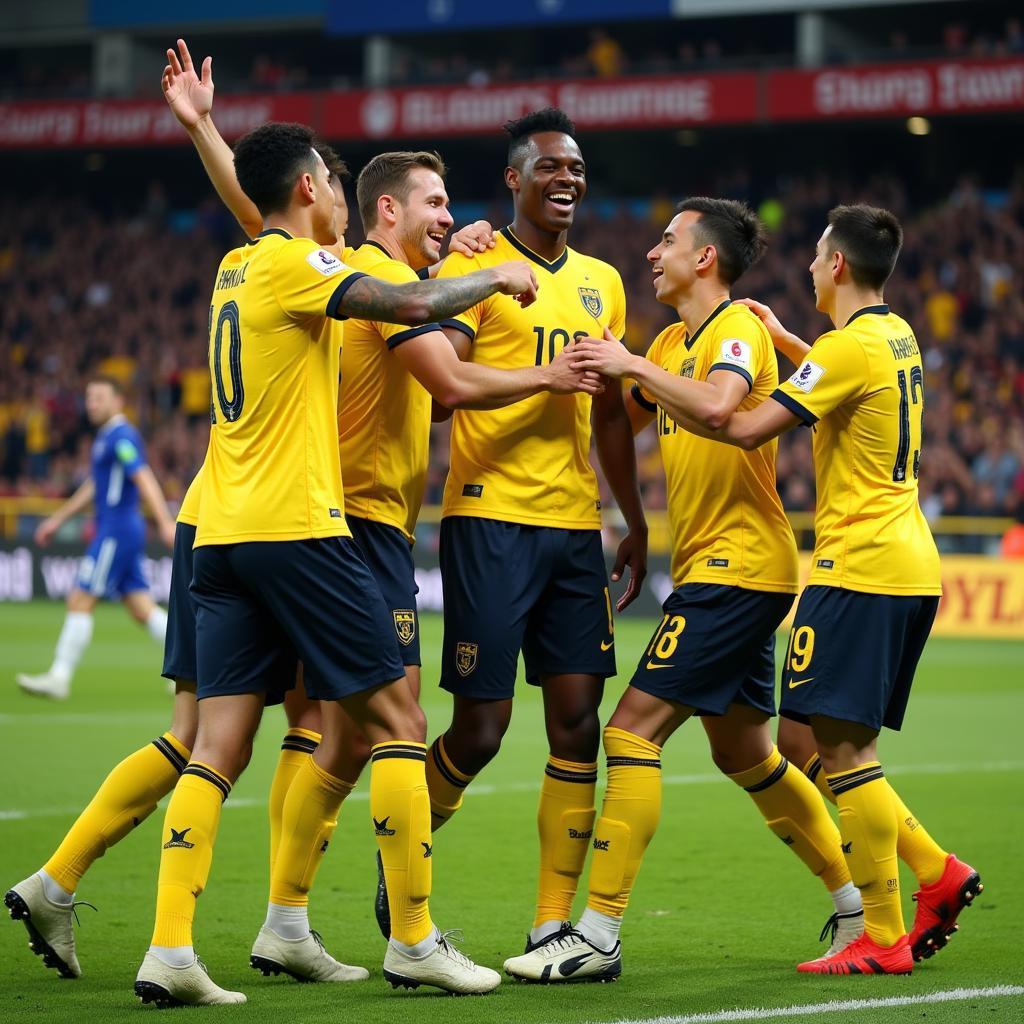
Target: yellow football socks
{"type": "Point", "coordinates": [629, 818]}
{"type": "Point", "coordinates": [914, 846]}
{"type": "Point", "coordinates": [190, 830]}
{"type": "Point", "coordinates": [565, 821]}
{"type": "Point", "coordinates": [128, 795]}
{"type": "Point", "coordinates": [400, 807]}
{"type": "Point", "coordinates": [795, 812]}
{"type": "Point", "coordinates": [445, 782]}
{"type": "Point", "coordinates": [308, 820]}
{"type": "Point", "coordinates": [296, 748]}
{"type": "Point", "coordinates": [867, 822]}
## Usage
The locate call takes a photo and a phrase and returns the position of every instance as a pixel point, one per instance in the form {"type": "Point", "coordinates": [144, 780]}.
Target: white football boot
{"type": "Point", "coordinates": [302, 959]}
{"type": "Point", "coordinates": [166, 986]}
{"type": "Point", "coordinates": [443, 967]}
{"type": "Point", "coordinates": [567, 956]}
{"type": "Point", "coordinates": [48, 924]}
{"type": "Point", "coordinates": [44, 685]}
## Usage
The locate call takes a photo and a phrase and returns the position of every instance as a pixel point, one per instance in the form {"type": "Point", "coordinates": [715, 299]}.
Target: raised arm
{"type": "Point", "coordinates": [75, 504]}
{"type": "Point", "coordinates": [420, 302]}
{"type": "Point", "coordinates": [190, 97]}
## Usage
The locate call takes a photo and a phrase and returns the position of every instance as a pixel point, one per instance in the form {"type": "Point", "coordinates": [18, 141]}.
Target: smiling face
{"type": "Point", "coordinates": [422, 220]}
{"type": "Point", "coordinates": [674, 260]}
{"type": "Point", "coordinates": [824, 270]}
{"type": "Point", "coordinates": [551, 182]}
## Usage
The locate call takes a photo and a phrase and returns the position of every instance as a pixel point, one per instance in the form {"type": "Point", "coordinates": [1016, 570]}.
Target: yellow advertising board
{"type": "Point", "coordinates": [981, 597]}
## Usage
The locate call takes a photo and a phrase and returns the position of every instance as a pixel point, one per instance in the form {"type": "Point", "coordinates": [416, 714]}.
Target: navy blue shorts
{"type": "Point", "coordinates": [714, 646]}
{"type": "Point", "coordinates": [112, 566]}
{"type": "Point", "coordinates": [180, 641]}
{"type": "Point", "coordinates": [852, 656]}
{"type": "Point", "coordinates": [316, 598]}
{"type": "Point", "coordinates": [511, 588]}
{"type": "Point", "coordinates": [389, 555]}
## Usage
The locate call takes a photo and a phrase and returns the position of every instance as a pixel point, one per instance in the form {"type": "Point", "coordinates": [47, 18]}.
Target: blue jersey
{"type": "Point", "coordinates": [117, 455]}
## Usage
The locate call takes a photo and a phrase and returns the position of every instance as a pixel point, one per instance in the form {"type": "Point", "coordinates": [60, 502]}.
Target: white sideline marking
{"type": "Point", "coordinates": [979, 767]}
{"type": "Point", "coordinates": [953, 995]}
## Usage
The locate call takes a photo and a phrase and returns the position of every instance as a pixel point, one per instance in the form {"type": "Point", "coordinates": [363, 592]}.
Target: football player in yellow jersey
{"type": "Point", "coordinates": [734, 569]}
{"type": "Point", "coordinates": [521, 505]}
{"type": "Point", "coordinates": [863, 620]}
{"type": "Point", "coordinates": [275, 569]}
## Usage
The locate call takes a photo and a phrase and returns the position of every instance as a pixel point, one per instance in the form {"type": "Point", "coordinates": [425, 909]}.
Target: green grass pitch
{"type": "Point", "coordinates": [720, 914]}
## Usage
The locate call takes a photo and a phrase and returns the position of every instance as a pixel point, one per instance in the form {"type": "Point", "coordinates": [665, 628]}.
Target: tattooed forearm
{"type": "Point", "coordinates": [418, 302]}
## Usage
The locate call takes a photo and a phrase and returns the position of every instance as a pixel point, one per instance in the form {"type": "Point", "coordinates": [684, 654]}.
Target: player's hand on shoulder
{"type": "Point", "coordinates": [190, 96]}
{"type": "Point", "coordinates": [517, 278]}
{"type": "Point", "coordinates": [766, 316]}
{"type": "Point", "coordinates": [473, 238]}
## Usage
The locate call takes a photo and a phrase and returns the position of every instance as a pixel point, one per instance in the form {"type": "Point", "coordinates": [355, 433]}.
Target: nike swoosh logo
{"type": "Point", "coordinates": [607, 646]}
{"type": "Point", "coordinates": [572, 965]}
{"type": "Point", "coordinates": [794, 683]}
{"type": "Point", "coordinates": [652, 666]}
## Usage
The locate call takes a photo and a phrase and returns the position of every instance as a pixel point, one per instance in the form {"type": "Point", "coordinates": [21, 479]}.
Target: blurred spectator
{"type": "Point", "coordinates": [605, 55]}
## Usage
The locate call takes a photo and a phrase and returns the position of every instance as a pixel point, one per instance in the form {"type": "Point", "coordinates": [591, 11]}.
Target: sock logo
{"type": "Point", "coordinates": [178, 839]}
{"type": "Point", "coordinates": [427, 849]}
{"type": "Point", "coordinates": [847, 847]}
{"type": "Point", "coordinates": [602, 844]}
{"type": "Point", "coordinates": [575, 833]}
{"type": "Point", "coordinates": [892, 885]}
{"type": "Point", "coordinates": [788, 840]}
{"type": "Point", "coordinates": [324, 845]}
{"type": "Point", "coordinates": [380, 828]}
{"type": "Point", "coordinates": [910, 823]}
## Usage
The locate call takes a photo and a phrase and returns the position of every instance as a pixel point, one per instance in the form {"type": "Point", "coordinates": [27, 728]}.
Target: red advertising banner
{"type": "Point", "coordinates": [594, 104]}
{"type": "Point", "coordinates": [893, 90]}
{"type": "Point", "coordinates": [661, 101]}
{"type": "Point", "coordinates": [49, 124]}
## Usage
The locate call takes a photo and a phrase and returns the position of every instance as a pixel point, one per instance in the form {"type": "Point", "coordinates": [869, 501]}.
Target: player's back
{"type": "Point", "coordinates": [530, 462]}
{"type": "Point", "coordinates": [117, 455]}
{"type": "Point", "coordinates": [272, 470]}
{"type": "Point", "coordinates": [863, 386]}
{"type": "Point", "coordinates": [383, 411]}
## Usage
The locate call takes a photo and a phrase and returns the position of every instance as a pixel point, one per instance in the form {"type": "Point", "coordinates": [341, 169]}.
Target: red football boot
{"type": "Point", "coordinates": [862, 956]}
{"type": "Point", "coordinates": [939, 905]}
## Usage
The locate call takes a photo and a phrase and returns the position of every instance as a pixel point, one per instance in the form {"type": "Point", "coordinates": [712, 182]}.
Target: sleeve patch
{"type": "Point", "coordinates": [126, 451]}
{"type": "Point", "coordinates": [324, 262]}
{"type": "Point", "coordinates": [736, 352]}
{"type": "Point", "coordinates": [807, 376]}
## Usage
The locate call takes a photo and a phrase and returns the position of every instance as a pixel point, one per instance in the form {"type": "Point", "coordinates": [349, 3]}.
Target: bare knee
{"type": "Point", "coordinates": [474, 739]}
{"type": "Point", "coordinates": [577, 737]}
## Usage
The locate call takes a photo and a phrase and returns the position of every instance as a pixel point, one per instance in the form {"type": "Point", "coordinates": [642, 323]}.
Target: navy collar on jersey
{"type": "Point", "coordinates": [273, 231]}
{"type": "Point", "coordinates": [881, 309]}
{"type": "Point", "coordinates": [691, 340]}
{"type": "Point", "coordinates": [552, 266]}
{"type": "Point", "coordinates": [377, 245]}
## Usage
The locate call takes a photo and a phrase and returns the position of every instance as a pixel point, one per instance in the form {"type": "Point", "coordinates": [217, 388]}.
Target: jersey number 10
{"type": "Point", "coordinates": [231, 408]}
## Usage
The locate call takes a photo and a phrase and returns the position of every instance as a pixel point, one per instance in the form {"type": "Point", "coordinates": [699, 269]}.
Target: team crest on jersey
{"type": "Point", "coordinates": [405, 625]}
{"type": "Point", "coordinates": [465, 657]}
{"type": "Point", "coordinates": [686, 370]}
{"type": "Point", "coordinates": [591, 299]}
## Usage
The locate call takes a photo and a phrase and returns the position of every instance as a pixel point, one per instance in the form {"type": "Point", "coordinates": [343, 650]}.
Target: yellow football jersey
{"type": "Point", "coordinates": [727, 521]}
{"type": "Point", "coordinates": [272, 469]}
{"type": "Point", "coordinates": [862, 387]}
{"type": "Point", "coordinates": [384, 412]}
{"type": "Point", "coordinates": [530, 462]}
{"type": "Point", "coordinates": [189, 511]}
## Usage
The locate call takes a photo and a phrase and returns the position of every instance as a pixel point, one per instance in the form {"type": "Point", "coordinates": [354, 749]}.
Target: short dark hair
{"type": "Point", "coordinates": [337, 166]}
{"type": "Point", "coordinates": [732, 228]}
{"type": "Point", "coordinates": [269, 158]}
{"type": "Point", "coordinates": [387, 174]}
{"type": "Point", "coordinates": [870, 239]}
{"type": "Point", "coordinates": [550, 119]}
{"type": "Point", "coordinates": [106, 378]}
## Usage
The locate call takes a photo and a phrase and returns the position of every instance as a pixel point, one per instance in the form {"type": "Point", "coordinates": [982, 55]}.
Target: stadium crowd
{"type": "Point", "coordinates": [136, 308]}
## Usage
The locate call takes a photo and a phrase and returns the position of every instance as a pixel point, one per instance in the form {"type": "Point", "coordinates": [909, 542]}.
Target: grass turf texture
{"type": "Point", "coordinates": [721, 913]}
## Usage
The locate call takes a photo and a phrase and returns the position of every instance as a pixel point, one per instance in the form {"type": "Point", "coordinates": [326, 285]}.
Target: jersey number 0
{"type": "Point", "coordinates": [231, 408]}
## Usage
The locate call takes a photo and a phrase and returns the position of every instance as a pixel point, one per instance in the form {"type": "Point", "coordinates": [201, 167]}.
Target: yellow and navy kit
{"type": "Point", "coordinates": [272, 471]}
{"type": "Point", "coordinates": [727, 521]}
{"type": "Point", "coordinates": [529, 463]}
{"type": "Point", "coordinates": [384, 412]}
{"type": "Point", "coordinates": [862, 388]}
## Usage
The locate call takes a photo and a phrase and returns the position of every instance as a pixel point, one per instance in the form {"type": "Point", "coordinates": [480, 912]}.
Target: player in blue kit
{"type": "Point", "coordinates": [112, 567]}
